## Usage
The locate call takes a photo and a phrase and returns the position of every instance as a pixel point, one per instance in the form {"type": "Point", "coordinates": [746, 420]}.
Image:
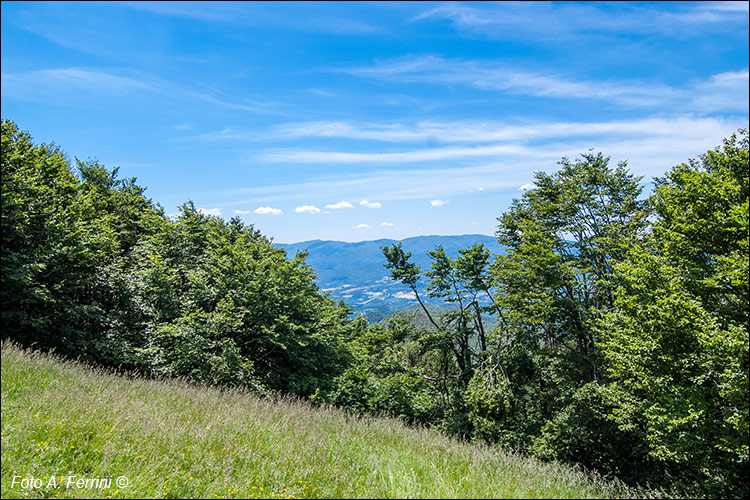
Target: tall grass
{"type": "Point", "coordinates": [175, 440]}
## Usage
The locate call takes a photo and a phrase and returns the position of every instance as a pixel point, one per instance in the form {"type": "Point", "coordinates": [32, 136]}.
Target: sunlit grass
{"type": "Point", "coordinates": [175, 440]}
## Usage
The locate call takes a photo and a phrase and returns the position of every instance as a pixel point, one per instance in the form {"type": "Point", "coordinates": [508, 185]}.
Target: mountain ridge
{"type": "Point", "coordinates": [355, 273]}
{"type": "Point", "coordinates": [318, 240]}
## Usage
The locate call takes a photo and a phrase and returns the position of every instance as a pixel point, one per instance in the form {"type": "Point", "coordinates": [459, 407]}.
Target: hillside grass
{"type": "Point", "coordinates": [171, 439]}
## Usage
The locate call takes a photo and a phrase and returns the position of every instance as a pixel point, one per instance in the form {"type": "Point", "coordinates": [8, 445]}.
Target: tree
{"type": "Point", "coordinates": [65, 245]}
{"type": "Point", "coordinates": [384, 375]}
{"type": "Point", "coordinates": [95, 270]}
{"type": "Point", "coordinates": [462, 281]}
{"type": "Point", "coordinates": [676, 343]}
{"type": "Point", "coordinates": [554, 281]}
{"type": "Point", "coordinates": [218, 294]}
{"type": "Point", "coordinates": [563, 238]}
{"type": "Point", "coordinates": [457, 337]}
{"type": "Point", "coordinates": [38, 191]}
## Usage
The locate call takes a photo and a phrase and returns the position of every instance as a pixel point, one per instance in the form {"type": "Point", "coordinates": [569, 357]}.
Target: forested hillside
{"type": "Point", "coordinates": [619, 332]}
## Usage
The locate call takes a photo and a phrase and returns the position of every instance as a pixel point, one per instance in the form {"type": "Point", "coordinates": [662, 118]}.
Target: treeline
{"type": "Point", "coordinates": [93, 269]}
{"type": "Point", "coordinates": [621, 341]}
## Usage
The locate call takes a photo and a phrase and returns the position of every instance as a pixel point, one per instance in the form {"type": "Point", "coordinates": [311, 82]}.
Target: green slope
{"type": "Point", "coordinates": [170, 439]}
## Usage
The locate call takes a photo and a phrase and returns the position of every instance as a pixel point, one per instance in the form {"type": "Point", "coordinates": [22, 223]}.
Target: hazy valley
{"type": "Point", "coordinates": [355, 272]}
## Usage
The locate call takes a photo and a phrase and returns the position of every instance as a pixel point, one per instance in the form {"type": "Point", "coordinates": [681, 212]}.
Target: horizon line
{"type": "Point", "coordinates": [273, 242]}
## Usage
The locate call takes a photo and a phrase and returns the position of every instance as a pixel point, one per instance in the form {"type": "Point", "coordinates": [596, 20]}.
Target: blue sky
{"type": "Point", "coordinates": [358, 121]}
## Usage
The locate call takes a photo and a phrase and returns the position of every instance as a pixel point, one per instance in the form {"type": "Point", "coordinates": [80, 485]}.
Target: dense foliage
{"type": "Point", "coordinates": [611, 331]}
{"type": "Point", "coordinates": [622, 337]}
{"type": "Point", "coordinates": [676, 343]}
{"type": "Point", "coordinates": [93, 269]}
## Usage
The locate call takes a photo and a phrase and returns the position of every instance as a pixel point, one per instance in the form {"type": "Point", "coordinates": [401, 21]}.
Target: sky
{"type": "Point", "coordinates": [359, 121]}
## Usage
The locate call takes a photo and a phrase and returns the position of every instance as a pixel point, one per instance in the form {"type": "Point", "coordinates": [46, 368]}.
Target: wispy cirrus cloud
{"type": "Point", "coordinates": [646, 155]}
{"type": "Point", "coordinates": [393, 184]}
{"type": "Point", "coordinates": [725, 6]}
{"type": "Point", "coordinates": [257, 14]}
{"type": "Point", "coordinates": [484, 140]}
{"type": "Point", "coordinates": [651, 146]}
{"type": "Point", "coordinates": [32, 85]}
{"type": "Point", "coordinates": [496, 76]}
{"type": "Point", "coordinates": [723, 91]}
{"type": "Point", "coordinates": [477, 131]}
{"type": "Point", "coordinates": [433, 154]}
{"type": "Point", "coordinates": [76, 84]}
{"type": "Point", "coordinates": [544, 21]}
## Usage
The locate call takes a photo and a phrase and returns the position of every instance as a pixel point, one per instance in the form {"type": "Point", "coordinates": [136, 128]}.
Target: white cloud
{"type": "Point", "coordinates": [495, 76]}
{"type": "Point", "coordinates": [492, 131]}
{"type": "Point", "coordinates": [731, 6]}
{"type": "Point", "coordinates": [71, 84]}
{"type": "Point", "coordinates": [435, 154]}
{"type": "Point", "coordinates": [526, 187]}
{"type": "Point", "coordinates": [209, 211]}
{"type": "Point", "coordinates": [307, 209]}
{"type": "Point", "coordinates": [650, 145]}
{"type": "Point", "coordinates": [723, 92]}
{"type": "Point", "coordinates": [480, 189]}
{"type": "Point", "coordinates": [268, 211]}
{"type": "Point", "coordinates": [241, 212]}
{"type": "Point", "coordinates": [364, 226]}
{"type": "Point", "coordinates": [257, 14]}
{"type": "Point", "coordinates": [405, 295]}
{"type": "Point", "coordinates": [386, 224]}
{"type": "Point", "coordinates": [438, 203]}
{"type": "Point", "coordinates": [371, 204]}
{"type": "Point", "coordinates": [341, 204]}
{"type": "Point", "coordinates": [77, 78]}
{"type": "Point", "coordinates": [567, 20]}
{"type": "Point", "coordinates": [378, 132]}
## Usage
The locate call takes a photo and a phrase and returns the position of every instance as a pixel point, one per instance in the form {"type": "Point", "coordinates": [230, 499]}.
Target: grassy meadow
{"type": "Point", "coordinates": [175, 440]}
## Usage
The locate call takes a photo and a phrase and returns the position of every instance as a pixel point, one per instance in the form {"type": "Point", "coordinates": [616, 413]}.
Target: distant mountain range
{"type": "Point", "coordinates": [354, 272]}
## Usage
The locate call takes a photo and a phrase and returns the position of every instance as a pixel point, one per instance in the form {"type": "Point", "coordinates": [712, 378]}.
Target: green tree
{"type": "Point", "coordinates": [95, 270]}
{"type": "Point", "coordinates": [219, 290]}
{"type": "Point", "coordinates": [563, 238]}
{"type": "Point", "coordinates": [65, 242]}
{"type": "Point", "coordinates": [554, 281]}
{"type": "Point", "coordinates": [38, 241]}
{"type": "Point", "coordinates": [462, 282]}
{"type": "Point", "coordinates": [385, 375]}
{"type": "Point", "coordinates": [676, 343]}
{"type": "Point", "coordinates": [457, 339]}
